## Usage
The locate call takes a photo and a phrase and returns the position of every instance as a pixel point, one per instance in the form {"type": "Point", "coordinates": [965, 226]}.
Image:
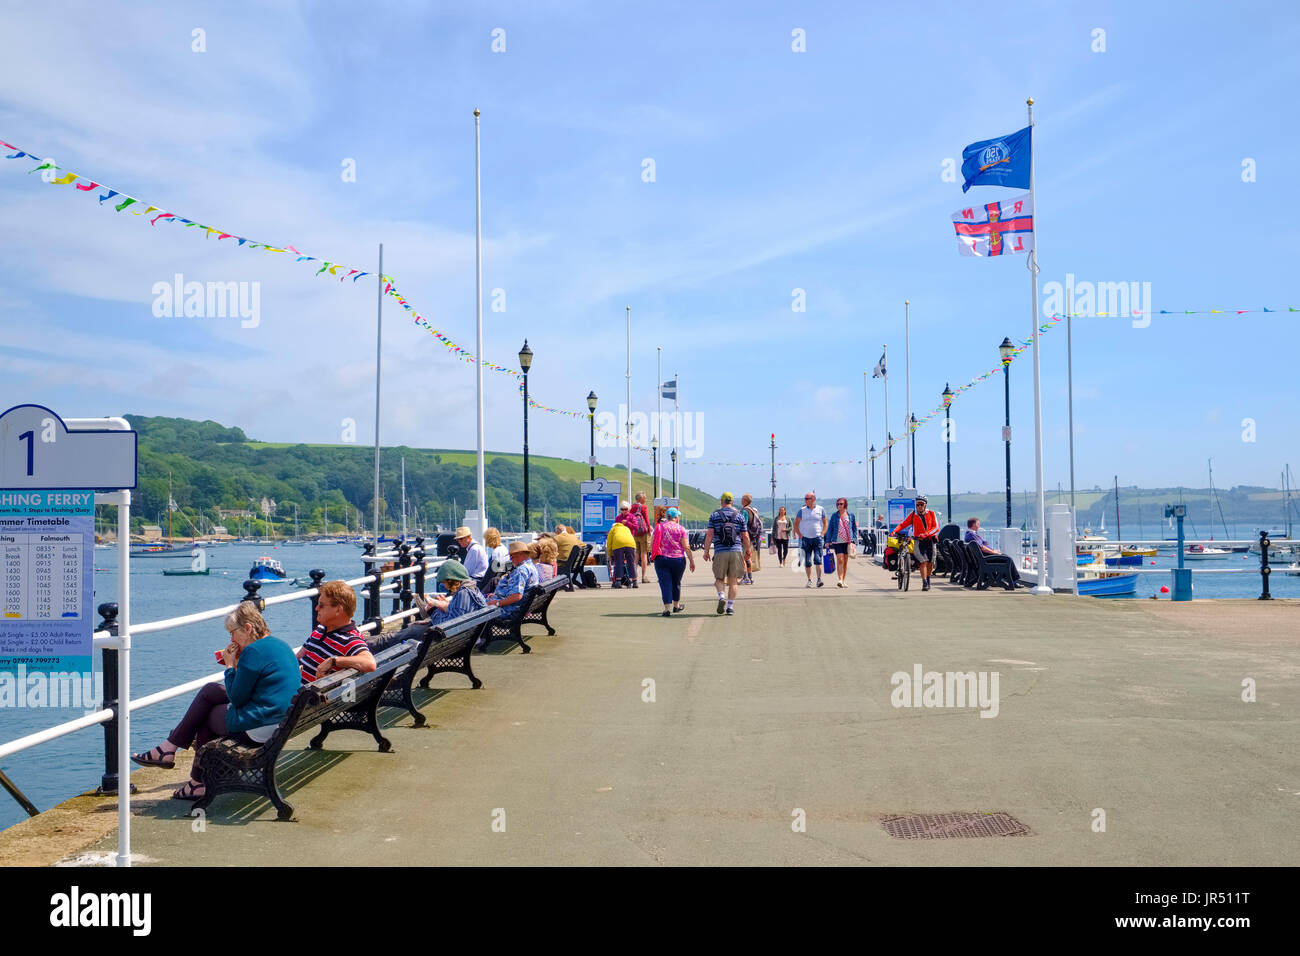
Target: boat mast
{"type": "Point", "coordinates": [1118, 536]}
{"type": "Point", "coordinates": [169, 510]}
{"type": "Point", "coordinates": [403, 498]}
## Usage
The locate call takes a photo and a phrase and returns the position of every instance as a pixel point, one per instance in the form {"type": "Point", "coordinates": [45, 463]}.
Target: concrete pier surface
{"type": "Point", "coordinates": [785, 712]}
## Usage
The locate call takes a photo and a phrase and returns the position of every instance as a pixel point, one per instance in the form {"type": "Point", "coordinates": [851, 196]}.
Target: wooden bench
{"type": "Point", "coordinates": [443, 648]}
{"type": "Point", "coordinates": [533, 608]}
{"type": "Point", "coordinates": [344, 700]}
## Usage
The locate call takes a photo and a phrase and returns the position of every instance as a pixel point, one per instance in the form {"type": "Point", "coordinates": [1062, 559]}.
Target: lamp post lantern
{"type": "Point", "coordinates": [947, 440]}
{"type": "Point", "coordinates": [674, 458]}
{"type": "Point", "coordinates": [591, 419]}
{"type": "Point", "coordinates": [1008, 351]}
{"type": "Point", "coordinates": [525, 362]}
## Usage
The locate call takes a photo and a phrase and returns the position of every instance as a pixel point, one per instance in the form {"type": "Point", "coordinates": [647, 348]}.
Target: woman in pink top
{"type": "Point", "coordinates": [670, 550]}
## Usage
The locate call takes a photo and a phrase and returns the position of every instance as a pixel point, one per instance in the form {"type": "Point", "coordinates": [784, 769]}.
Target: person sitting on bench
{"type": "Point", "coordinates": [512, 587]}
{"type": "Point", "coordinates": [992, 554]}
{"type": "Point", "coordinates": [261, 680]}
{"type": "Point", "coordinates": [462, 596]}
{"type": "Point", "coordinates": [335, 641]}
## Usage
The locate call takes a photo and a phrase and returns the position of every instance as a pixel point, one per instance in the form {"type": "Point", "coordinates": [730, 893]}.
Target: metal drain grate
{"type": "Point", "coordinates": [946, 826]}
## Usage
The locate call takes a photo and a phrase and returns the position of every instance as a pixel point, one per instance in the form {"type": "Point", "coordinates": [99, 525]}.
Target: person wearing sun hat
{"type": "Point", "coordinates": [462, 597]}
{"type": "Point", "coordinates": [474, 556]}
{"type": "Point", "coordinates": [510, 590]}
{"type": "Point", "coordinates": [670, 550]}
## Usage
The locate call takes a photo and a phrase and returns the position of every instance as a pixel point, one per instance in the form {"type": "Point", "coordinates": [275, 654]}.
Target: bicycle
{"type": "Point", "coordinates": [905, 551]}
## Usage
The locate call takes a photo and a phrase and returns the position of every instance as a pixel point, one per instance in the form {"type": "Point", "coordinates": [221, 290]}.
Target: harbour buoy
{"type": "Point", "coordinates": [1164, 589]}
{"type": "Point", "coordinates": [1153, 562]}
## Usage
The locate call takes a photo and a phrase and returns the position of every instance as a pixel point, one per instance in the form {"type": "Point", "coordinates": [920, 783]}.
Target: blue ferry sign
{"type": "Point", "coordinates": [599, 507]}
{"type": "Point", "coordinates": [39, 452]}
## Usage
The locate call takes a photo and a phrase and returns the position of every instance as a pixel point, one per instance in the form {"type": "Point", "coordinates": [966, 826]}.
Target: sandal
{"type": "Point", "coordinates": [157, 757]}
{"type": "Point", "coordinates": [190, 791]}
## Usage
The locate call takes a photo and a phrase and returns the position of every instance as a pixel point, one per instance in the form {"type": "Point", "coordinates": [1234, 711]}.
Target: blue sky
{"type": "Point", "coordinates": [774, 171]}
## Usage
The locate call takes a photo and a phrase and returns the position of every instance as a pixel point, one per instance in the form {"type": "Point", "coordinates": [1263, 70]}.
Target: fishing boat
{"type": "Point", "coordinates": [1199, 552]}
{"type": "Point", "coordinates": [1124, 560]}
{"type": "Point", "coordinates": [1093, 580]}
{"type": "Point", "coordinates": [198, 566]}
{"type": "Point", "coordinates": [266, 569]}
{"type": "Point", "coordinates": [1139, 551]}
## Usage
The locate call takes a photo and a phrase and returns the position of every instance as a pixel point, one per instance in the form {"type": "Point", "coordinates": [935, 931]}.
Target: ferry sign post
{"type": "Point", "coordinates": [56, 470]}
{"type": "Point", "coordinates": [600, 499]}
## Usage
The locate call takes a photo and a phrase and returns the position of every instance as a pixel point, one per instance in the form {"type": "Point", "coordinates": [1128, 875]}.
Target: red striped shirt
{"type": "Point", "coordinates": [345, 641]}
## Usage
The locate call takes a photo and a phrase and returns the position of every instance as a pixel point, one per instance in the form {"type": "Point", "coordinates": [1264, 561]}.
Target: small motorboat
{"type": "Point", "coordinates": [266, 569]}
{"type": "Point", "coordinates": [1124, 560]}
{"type": "Point", "coordinates": [1129, 551]}
{"type": "Point", "coordinates": [1199, 552]}
{"type": "Point", "coordinates": [1092, 580]}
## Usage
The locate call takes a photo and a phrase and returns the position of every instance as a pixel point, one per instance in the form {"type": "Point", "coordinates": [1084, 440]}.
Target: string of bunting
{"type": "Point", "coordinates": [157, 214]}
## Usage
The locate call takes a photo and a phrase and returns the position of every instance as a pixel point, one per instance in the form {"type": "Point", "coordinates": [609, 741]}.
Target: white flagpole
{"type": "Point", "coordinates": [866, 446]}
{"type": "Point", "coordinates": [379, 335]}
{"type": "Point", "coordinates": [677, 428]}
{"type": "Point", "coordinates": [478, 300]}
{"type": "Point", "coordinates": [659, 416]}
{"type": "Point", "coordinates": [889, 449]}
{"type": "Point", "coordinates": [629, 403]}
{"type": "Point", "coordinates": [910, 482]}
{"type": "Point", "coordinates": [1042, 586]}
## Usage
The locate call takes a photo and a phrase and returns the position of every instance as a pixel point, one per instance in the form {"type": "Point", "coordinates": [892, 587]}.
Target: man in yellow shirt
{"type": "Point", "coordinates": [620, 552]}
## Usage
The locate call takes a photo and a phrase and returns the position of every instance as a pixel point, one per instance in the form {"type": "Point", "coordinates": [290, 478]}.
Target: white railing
{"type": "Point", "coordinates": [104, 640]}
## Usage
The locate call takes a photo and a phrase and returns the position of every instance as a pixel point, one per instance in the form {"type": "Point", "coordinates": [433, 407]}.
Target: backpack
{"type": "Point", "coordinates": [641, 527]}
{"type": "Point", "coordinates": [589, 579]}
{"type": "Point", "coordinates": [727, 537]}
{"type": "Point", "coordinates": [754, 526]}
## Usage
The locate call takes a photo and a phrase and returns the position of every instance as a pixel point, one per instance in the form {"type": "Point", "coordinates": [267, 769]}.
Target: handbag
{"type": "Point", "coordinates": [771, 547]}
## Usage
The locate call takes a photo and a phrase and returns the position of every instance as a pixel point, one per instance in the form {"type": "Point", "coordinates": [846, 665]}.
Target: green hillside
{"type": "Point", "coordinates": [218, 476]}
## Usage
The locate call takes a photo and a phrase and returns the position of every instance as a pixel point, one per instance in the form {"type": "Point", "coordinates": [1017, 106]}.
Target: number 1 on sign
{"type": "Point", "coordinates": [30, 438]}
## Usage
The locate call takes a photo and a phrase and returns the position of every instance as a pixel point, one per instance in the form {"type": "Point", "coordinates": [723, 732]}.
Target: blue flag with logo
{"type": "Point", "coordinates": [1004, 161]}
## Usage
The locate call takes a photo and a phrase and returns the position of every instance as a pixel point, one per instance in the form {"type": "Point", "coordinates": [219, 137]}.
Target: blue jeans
{"type": "Point", "coordinates": [669, 571]}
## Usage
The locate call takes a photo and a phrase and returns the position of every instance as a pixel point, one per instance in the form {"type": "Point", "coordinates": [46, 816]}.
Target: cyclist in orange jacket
{"type": "Point", "coordinates": [925, 529]}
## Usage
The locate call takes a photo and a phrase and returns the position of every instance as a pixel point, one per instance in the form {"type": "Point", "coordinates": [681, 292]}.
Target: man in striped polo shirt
{"type": "Point", "coordinates": [335, 642]}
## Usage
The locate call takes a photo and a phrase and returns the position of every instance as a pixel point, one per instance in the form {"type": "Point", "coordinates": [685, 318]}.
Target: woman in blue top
{"type": "Point", "coordinates": [841, 534]}
{"type": "Point", "coordinates": [262, 677]}
{"type": "Point", "coordinates": [462, 596]}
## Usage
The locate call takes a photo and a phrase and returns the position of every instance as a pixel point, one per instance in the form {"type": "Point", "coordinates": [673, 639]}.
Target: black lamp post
{"type": "Point", "coordinates": [1007, 351]}
{"type": "Point", "coordinates": [654, 457]}
{"type": "Point", "coordinates": [525, 361]}
{"type": "Point", "coordinates": [947, 439]}
{"type": "Point", "coordinates": [674, 458]}
{"type": "Point", "coordinates": [591, 417]}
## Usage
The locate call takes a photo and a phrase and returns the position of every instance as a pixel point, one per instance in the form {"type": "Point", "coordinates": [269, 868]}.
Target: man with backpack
{"type": "Point", "coordinates": [754, 526]}
{"type": "Point", "coordinates": [727, 529]}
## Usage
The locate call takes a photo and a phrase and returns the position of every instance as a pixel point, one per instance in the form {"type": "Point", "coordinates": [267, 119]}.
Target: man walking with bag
{"type": "Point", "coordinates": [754, 526]}
{"type": "Point", "coordinates": [809, 524]}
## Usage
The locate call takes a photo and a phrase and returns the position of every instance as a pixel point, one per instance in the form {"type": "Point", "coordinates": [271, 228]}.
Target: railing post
{"type": "Point", "coordinates": [418, 557]}
{"type": "Point", "coordinates": [1264, 571]}
{"type": "Point", "coordinates": [368, 567]}
{"type": "Point", "coordinates": [402, 596]}
{"type": "Point", "coordinates": [108, 664]}
{"type": "Point", "coordinates": [250, 594]}
{"type": "Point", "coordinates": [317, 576]}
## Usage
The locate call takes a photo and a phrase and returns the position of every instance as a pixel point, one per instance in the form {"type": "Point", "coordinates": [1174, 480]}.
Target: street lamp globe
{"type": "Point", "coordinates": [1007, 350]}
{"type": "Point", "coordinates": [525, 356]}
{"type": "Point", "coordinates": [591, 401]}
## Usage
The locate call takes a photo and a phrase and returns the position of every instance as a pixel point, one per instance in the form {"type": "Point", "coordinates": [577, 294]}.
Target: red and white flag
{"type": "Point", "coordinates": [996, 228]}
